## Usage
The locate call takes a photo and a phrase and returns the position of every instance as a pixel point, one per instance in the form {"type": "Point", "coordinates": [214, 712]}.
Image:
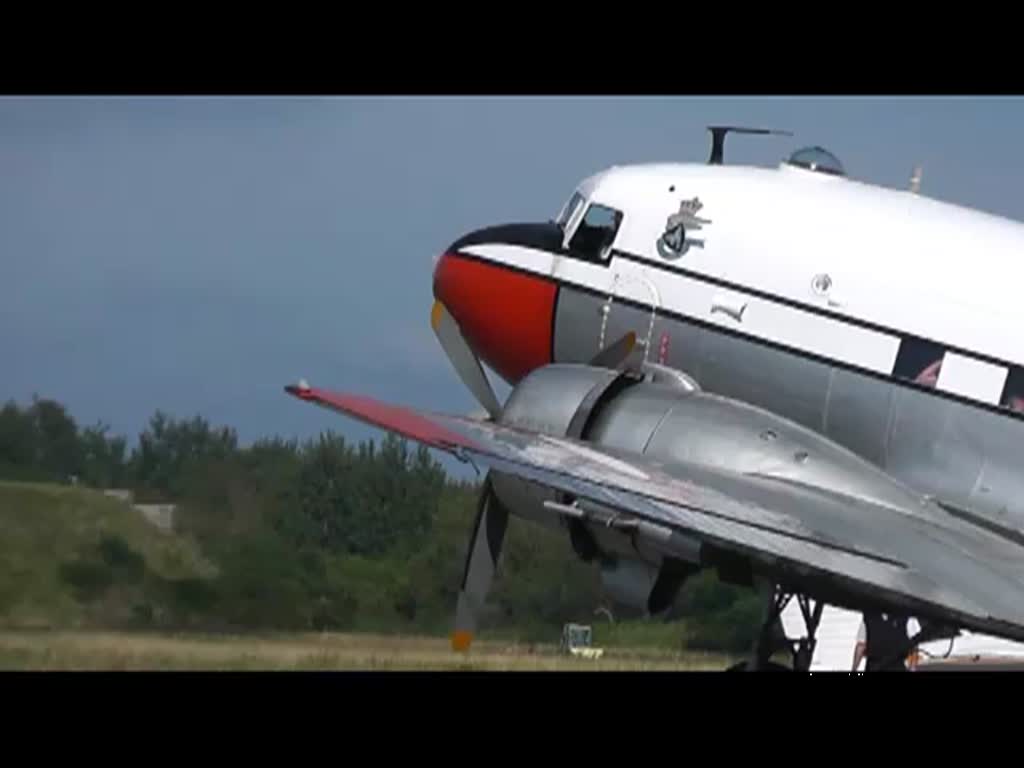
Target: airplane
{"type": "Point", "coordinates": [812, 384]}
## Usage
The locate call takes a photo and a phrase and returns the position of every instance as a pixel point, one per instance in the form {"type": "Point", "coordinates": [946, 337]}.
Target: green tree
{"type": "Point", "coordinates": [58, 450]}
{"type": "Point", "coordinates": [104, 462]}
{"type": "Point", "coordinates": [169, 448]}
{"type": "Point", "coordinates": [18, 444]}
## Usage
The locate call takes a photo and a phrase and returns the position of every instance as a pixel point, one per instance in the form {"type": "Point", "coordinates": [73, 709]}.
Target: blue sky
{"type": "Point", "coordinates": [195, 255]}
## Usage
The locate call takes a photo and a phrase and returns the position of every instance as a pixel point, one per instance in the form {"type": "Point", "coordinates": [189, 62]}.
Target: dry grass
{"type": "Point", "coordinates": [57, 650]}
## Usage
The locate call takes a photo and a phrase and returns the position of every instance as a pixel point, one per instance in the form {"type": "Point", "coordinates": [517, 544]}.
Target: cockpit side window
{"type": "Point", "coordinates": [595, 234]}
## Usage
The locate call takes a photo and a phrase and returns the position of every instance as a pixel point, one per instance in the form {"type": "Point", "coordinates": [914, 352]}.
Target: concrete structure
{"type": "Point", "coordinates": [160, 515]}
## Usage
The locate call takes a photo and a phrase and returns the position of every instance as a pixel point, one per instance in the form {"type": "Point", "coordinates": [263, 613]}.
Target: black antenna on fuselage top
{"type": "Point", "coordinates": [718, 133]}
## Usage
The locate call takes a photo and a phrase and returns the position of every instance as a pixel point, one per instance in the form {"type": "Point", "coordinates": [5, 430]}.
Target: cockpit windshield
{"type": "Point", "coordinates": [569, 210]}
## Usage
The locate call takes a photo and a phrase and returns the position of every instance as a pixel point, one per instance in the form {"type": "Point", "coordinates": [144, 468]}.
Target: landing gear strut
{"type": "Point", "coordinates": [772, 638]}
{"type": "Point", "coordinates": [803, 649]}
{"type": "Point", "coordinates": [888, 645]}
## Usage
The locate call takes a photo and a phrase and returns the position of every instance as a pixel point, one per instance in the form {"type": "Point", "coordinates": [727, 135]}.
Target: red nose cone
{"type": "Point", "coordinates": [506, 316]}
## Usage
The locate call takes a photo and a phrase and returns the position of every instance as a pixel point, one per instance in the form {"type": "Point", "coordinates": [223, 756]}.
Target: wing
{"type": "Point", "coordinates": [925, 560]}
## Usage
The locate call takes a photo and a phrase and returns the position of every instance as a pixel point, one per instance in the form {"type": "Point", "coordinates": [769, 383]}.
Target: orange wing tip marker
{"type": "Point", "coordinates": [461, 641]}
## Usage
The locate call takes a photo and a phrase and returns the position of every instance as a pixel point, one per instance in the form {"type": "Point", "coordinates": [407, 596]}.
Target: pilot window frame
{"type": "Point", "coordinates": [599, 250]}
{"type": "Point", "coordinates": [569, 213]}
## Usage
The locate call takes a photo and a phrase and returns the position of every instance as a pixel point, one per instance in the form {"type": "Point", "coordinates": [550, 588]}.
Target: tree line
{"type": "Point", "coordinates": [329, 534]}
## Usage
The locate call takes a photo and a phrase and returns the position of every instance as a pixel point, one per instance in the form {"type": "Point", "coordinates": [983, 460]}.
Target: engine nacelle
{"type": "Point", "coordinates": [664, 417]}
{"type": "Point", "coordinates": [668, 418]}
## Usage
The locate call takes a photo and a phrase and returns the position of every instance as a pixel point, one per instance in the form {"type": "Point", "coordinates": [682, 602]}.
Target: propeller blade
{"type": "Point", "coordinates": [614, 355]}
{"type": "Point", "coordinates": [462, 358]}
{"type": "Point", "coordinates": [481, 561]}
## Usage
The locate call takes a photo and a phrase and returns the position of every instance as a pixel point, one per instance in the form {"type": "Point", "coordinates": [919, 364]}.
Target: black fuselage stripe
{"type": "Point", "coordinates": [661, 312]}
{"type": "Point", "coordinates": [546, 238]}
{"type": "Point", "coordinates": [809, 308]}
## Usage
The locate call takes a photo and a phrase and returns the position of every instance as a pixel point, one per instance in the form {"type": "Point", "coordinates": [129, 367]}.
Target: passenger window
{"type": "Point", "coordinates": [920, 362]}
{"type": "Point", "coordinates": [595, 234]}
{"type": "Point", "coordinates": [1013, 392]}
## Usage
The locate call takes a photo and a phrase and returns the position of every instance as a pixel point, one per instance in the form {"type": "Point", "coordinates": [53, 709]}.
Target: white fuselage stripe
{"type": "Point", "coordinates": [741, 312]}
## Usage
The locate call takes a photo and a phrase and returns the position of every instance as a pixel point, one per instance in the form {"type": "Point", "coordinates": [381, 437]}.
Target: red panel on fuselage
{"type": "Point", "coordinates": [505, 315]}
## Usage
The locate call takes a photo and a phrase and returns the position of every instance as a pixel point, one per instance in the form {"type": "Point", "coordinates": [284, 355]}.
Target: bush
{"type": "Point", "coordinates": [127, 565]}
{"type": "Point", "coordinates": [193, 596]}
{"type": "Point", "coordinates": [729, 631]}
{"type": "Point", "coordinates": [89, 581]}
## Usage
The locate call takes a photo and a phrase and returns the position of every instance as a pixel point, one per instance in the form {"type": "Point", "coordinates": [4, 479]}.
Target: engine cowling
{"type": "Point", "coordinates": [659, 416]}
{"type": "Point", "coordinates": [665, 417]}
{"type": "Point", "coordinates": [569, 400]}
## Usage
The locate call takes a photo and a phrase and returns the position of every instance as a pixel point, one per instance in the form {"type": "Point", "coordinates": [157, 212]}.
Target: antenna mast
{"type": "Point", "coordinates": [915, 180]}
{"type": "Point", "coordinates": [718, 133]}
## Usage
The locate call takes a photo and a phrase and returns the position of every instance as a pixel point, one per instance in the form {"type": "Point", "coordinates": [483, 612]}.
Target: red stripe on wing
{"type": "Point", "coordinates": [394, 418]}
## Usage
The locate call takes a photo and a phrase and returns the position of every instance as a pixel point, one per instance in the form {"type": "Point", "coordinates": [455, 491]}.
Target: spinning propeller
{"type": "Point", "coordinates": [464, 360]}
{"type": "Point", "coordinates": [491, 521]}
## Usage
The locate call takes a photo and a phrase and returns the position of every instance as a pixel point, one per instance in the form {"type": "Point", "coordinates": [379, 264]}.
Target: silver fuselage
{"type": "Point", "coordinates": [964, 455]}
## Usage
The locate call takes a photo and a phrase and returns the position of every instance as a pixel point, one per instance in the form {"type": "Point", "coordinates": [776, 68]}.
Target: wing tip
{"type": "Point", "coordinates": [407, 422]}
{"type": "Point", "coordinates": [301, 390]}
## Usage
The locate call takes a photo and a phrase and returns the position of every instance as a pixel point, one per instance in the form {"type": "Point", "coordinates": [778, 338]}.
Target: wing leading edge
{"type": "Point", "coordinates": [924, 559]}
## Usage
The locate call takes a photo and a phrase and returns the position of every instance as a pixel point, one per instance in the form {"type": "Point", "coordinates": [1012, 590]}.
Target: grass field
{"type": "Point", "coordinates": [81, 650]}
